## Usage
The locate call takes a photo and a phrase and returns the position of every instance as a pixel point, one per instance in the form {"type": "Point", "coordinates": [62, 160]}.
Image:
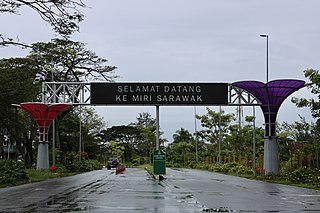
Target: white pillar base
{"type": "Point", "coordinates": [43, 156]}
{"type": "Point", "coordinates": [271, 158]}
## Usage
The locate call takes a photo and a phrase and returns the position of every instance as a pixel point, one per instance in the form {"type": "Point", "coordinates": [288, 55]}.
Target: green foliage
{"type": "Point", "coordinates": [129, 136]}
{"type": "Point", "coordinates": [126, 134]}
{"type": "Point", "coordinates": [314, 86]}
{"type": "Point", "coordinates": [40, 175]}
{"type": "Point", "coordinates": [203, 166]}
{"type": "Point", "coordinates": [180, 152]}
{"type": "Point", "coordinates": [214, 123]}
{"type": "Point", "coordinates": [68, 131]}
{"type": "Point", "coordinates": [240, 139]}
{"type": "Point", "coordinates": [16, 87]}
{"type": "Point", "coordinates": [289, 165]}
{"type": "Point", "coordinates": [84, 166]}
{"type": "Point", "coordinates": [231, 168]}
{"type": "Point", "coordinates": [71, 61]}
{"type": "Point", "coordinates": [146, 126]}
{"type": "Point", "coordinates": [145, 119]}
{"type": "Point", "coordinates": [12, 172]}
{"type": "Point", "coordinates": [182, 135]}
{"type": "Point", "coordinates": [63, 16]}
{"type": "Point", "coordinates": [303, 175]}
{"type": "Point", "coordinates": [117, 149]}
{"type": "Point", "coordinates": [89, 165]}
{"type": "Point", "coordinates": [241, 170]}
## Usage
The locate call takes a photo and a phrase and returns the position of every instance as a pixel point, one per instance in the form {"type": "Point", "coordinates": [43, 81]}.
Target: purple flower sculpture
{"type": "Point", "coordinates": [271, 95]}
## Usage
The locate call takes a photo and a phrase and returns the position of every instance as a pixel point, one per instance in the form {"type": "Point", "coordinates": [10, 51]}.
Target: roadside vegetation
{"type": "Point", "coordinates": [14, 172]}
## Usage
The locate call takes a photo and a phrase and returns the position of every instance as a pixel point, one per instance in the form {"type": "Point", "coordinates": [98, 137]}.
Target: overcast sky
{"type": "Point", "coordinates": [190, 41]}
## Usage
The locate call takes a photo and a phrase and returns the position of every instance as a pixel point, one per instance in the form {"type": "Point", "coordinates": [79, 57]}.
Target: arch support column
{"type": "Point", "coordinates": [271, 156]}
{"type": "Point", "coordinates": [44, 115]}
{"type": "Point", "coordinates": [43, 156]}
{"type": "Point", "coordinates": [271, 95]}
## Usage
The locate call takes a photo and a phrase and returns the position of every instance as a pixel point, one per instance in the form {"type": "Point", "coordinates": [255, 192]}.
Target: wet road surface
{"type": "Point", "coordinates": [218, 192]}
{"type": "Point", "coordinates": [184, 190]}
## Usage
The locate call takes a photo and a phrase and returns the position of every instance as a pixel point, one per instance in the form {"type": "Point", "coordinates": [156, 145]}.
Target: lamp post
{"type": "Point", "coordinates": [54, 126]}
{"type": "Point", "coordinates": [267, 70]}
{"type": "Point", "coordinates": [220, 136]}
{"type": "Point", "coordinates": [254, 141]}
{"type": "Point", "coordinates": [195, 131]}
{"type": "Point", "coordinates": [267, 60]}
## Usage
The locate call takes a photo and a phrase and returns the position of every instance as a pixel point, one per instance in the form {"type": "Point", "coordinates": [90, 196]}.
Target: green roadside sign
{"type": "Point", "coordinates": [159, 162]}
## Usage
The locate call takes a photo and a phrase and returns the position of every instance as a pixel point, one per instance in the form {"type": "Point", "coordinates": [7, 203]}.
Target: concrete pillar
{"type": "Point", "coordinates": [43, 156]}
{"type": "Point", "coordinates": [271, 158]}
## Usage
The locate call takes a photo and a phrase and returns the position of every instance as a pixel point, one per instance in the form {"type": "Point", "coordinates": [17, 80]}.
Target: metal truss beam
{"type": "Point", "coordinates": [240, 97]}
{"type": "Point", "coordinates": [77, 93]}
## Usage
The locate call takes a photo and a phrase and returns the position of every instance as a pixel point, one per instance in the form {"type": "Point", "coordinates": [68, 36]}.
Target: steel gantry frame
{"type": "Point", "coordinates": [78, 93]}
{"type": "Point", "coordinates": [240, 97]}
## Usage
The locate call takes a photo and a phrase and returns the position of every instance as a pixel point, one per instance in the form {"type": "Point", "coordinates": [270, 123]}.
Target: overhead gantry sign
{"type": "Point", "coordinates": [159, 94]}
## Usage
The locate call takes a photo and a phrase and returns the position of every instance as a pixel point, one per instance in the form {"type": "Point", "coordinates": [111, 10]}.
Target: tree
{"type": "Point", "coordinates": [16, 87]}
{"type": "Point", "coordinates": [214, 123]}
{"type": "Point", "coordinates": [182, 149]}
{"type": "Point", "coordinates": [240, 140]}
{"type": "Point", "coordinates": [180, 152]}
{"type": "Point", "coordinates": [300, 138]}
{"type": "Point", "coordinates": [68, 133]}
{"type": "Point", "coordinates": [145, 119]}
{"type": "Point", "coordinates": [314, 105]}
{"type": "Point", "coordinates": [314, 86]}
{"type": "Point", "coordinates": [71, 61]}
{"type": "Point", "coordinates": [63, 15]}
{"type": "Point", "coordinates": [147, 126]}
{"type": "Point", "coordinates": [126, 134]}
{"type": "Point", "coordinates": [91, 126]}
{"type": "Point", "coordinates": [215, 126]}
{"type": "Point", "coordinates": [116, 149]}
{"type": "Point", "coordinates": [182, 135]}
{"type": "Point", "coordinates": [129, 136]}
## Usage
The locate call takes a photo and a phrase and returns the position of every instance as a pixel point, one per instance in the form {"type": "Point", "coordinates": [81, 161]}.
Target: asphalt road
{"type": "Point", "coordinates": [184, 190]}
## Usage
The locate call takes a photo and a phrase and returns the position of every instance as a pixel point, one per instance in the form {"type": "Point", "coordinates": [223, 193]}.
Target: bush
{"type": "Point", "coordinates": [84, 166]}
{"type": "Point", "coordinates": [317, 180]}
{"type": "Point", "coordinates": [193, 164]}
{"type": "Point", "coordinates": [289, 166]}
{"type": "Point", "coordinates": [223, 168]}
{"type": "Point", "coordinates": [12, 172]}
{"type": "Point", "coordinates": [173, 165]}
{"type": "Point", "coordinates": [61, 169]}
{"type": "Point", "coordinates": [136, 162]}
{"type": "Point", "coordinates": [302, 175]}
{"type": "Point", "coordinates": [241, 170]}
{"type": "Point", "coordinates": [203, 166]}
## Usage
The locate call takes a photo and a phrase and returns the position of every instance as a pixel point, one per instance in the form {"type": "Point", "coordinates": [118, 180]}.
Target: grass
{"type": "Point", "coordinates": [278, 179]}
{"type": "Point", "coordinates": [40, 175]}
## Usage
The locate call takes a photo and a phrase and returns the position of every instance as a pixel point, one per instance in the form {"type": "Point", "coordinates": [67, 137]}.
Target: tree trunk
{"type": "Point", "coordinates": [28, 157]}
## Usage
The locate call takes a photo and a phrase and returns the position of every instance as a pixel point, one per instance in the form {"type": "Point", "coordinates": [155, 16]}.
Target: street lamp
{"type": "Point", "coordinates": [195, 131]}
{"type": "Point", "coordinates": [267, 70]}
{"type": "Point", "coordinates": [267, 65]}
